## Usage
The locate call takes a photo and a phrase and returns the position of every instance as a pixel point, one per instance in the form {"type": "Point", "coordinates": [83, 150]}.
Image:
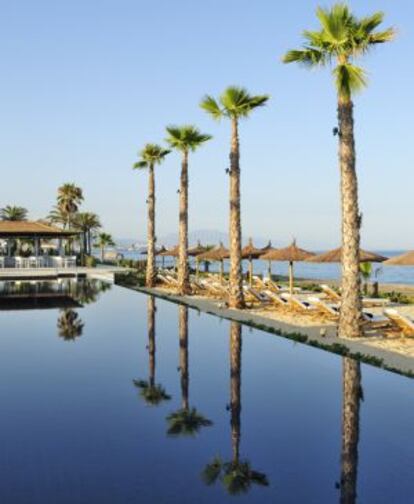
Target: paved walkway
{"type": "Point", "coordinates": [105, 273]}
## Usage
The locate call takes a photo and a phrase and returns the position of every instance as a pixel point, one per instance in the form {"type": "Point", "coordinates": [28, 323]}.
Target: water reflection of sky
{"type": "Point", "coordinates": [75, 428]}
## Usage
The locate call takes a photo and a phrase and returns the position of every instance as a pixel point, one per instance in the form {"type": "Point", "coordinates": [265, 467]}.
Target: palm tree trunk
{"type": "Point", "coordinates": [151, 339]}
{"type": "Point", "coordinates": [235, 387]}
{"type": "Point", "coordinates": [351, 306]}
{"type": "Point", "coordinates": [183, 270]}
{"type": "Point", "coordinates": [102, 253]}
{"type": "Point", "coordinates": [183, 331]}
{"type": "Point", "coordinates": [151, 277]}
{"type": "Point", "coordinates": [351, 376]}
{"type": "Point", "coordinates": [236, 298]}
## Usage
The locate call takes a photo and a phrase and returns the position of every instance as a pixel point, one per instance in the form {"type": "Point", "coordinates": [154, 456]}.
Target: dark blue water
{"type": "Point", "coordinates": [85, 393]}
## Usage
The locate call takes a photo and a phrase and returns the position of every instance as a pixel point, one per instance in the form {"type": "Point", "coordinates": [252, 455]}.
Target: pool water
{"type": "Point", "coordinates": [118, 397]}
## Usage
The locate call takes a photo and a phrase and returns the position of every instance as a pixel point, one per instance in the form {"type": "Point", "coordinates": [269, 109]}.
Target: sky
{"type": "Point", "coordinates": [86, 83]}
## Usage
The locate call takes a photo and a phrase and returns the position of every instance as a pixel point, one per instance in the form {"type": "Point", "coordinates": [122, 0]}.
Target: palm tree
{"type": "Point", "coordinates": [351, 398]}
{"type": "Point", "coordinates": [365, 270]}
{"type": "Point", "coordinates": [150, 156]}
{"type": "Point", "coordinates": [152, 393]}
{"type": "Point", "coordinates": [68, 200]}
{"type": "Point", "coordinates": [13, 213]}
{"type": "Point", "coordinates": [236, 475]}
{"type": "Point", "coordinates": [340, 40]}
{"type": "Point", "coordinates": [184, 139]}
{"type": "Point", "coordinates": [69, 324]}
{"type": "Point", "coordinates": [234, 103]}
{"type": "Point", "coordinates": [87, 222]}
{"type": "Point", "coordinates": [104, 240]}
{"type": "Point", "coordinates": [58, 216]}
{"type": "Point", "coordinates": [185, 421]}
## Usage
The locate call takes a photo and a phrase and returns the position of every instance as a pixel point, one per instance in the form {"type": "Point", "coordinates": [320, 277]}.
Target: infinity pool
{"type": "Point", "coordinates": [111, 396]}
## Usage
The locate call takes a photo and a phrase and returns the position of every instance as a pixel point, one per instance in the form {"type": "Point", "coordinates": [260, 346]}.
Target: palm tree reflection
{"type": "Point", "coordinates": [185, 421]}
{"type": "Point", "coordinates": [352, 395]}
{"type": "Point", "coordinates": [70, 326]}
{"type": "Point", "coordinates": [236, 475]}
{"type": "Point", "coordinates": [152, 393]}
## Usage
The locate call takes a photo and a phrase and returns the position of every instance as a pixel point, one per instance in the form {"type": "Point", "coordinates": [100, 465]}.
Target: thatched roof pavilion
{"type": "Point", "coordinates": [334, 256]}
{"type": "Point", "coordinates": [33, 229]}
{"type": "Point", "coordinates": [291, 254]}
{"type": "Point", "coordinates": [406, 259]}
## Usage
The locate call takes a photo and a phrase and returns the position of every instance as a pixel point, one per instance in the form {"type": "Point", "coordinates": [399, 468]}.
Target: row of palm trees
{"type": "Point", "coordinates": [340, 40]}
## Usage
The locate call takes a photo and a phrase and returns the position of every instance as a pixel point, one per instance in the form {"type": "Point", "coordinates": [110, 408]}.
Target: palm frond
{"type": "Point", "coordinates": [186, 138]}
{"type": "Point", "coordinates": [210, 105]}
{"type": "Point", "coordinates": [238, 102]}
{"type": "Point", "coordinates": [308, 57]}
{"type": "Point", "coordinates": [349, 79]}
{"type": "Point", "coordinates": [150, 155]}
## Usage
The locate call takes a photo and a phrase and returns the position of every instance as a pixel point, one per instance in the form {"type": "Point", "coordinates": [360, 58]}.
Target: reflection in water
{"type": "Point", "coordinates": [70, 326]}
{"type": "Point", "coordinates": [236, 475]}
{"type": "Point", "coordinates": [186, 421]}
{"type": "Point", "coordinates": [352, 394]}
{"type": "Point", "coordinates": [152, 393]}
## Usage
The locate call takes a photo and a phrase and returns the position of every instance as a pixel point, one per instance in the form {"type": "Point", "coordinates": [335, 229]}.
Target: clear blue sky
{"type": "Point", "coordinates": [84, 84]}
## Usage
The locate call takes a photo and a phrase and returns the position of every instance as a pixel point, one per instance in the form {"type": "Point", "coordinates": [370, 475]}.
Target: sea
{"type": "Point", "coordinates": [311, 271]}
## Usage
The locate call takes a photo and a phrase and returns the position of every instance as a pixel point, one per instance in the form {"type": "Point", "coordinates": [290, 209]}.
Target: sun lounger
{"type": "Point", "coordinates": [329, 309]}
{"type": "Point", "coordinates": [367, 302]}
{"type": "Point", "coordinates": [297, 303]}
{"type": "Point", "coordinates": [276, 299]}
{"type": "Point", "coordinates": [256, 295]}
{"type": "Point", "coordinates": [404, 323]}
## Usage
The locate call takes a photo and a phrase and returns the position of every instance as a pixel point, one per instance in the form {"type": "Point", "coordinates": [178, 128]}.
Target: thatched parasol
{"type": "Point", "coordinates": [216, 254]}
{"type": "Point", "coordinates": [250, 252]}
{"type": "Point", "coordinates": [172, 252]}
{"type": "Point", "coordinates": [291, 254]}
{"type": "Point", "coordinates": [334, 256]}
{"type": "Point", "coordinates": [268, 248]}
{"type": "Point", "coordinates": [406, 259]}
{"type": "Point", "coordinates": [196, 251]}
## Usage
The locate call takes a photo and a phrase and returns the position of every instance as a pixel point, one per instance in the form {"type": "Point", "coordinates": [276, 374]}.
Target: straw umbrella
{"type": "Point", "coordinates": [172, 252]}
{"type": "Point", "coordinates": [250, 252]}
{"type": "Point", "coordinates": [334, 256]}
{"type": "Point", "coordinates": [268, 248]}
{"type": "Point", "coordinates": [290, 254]}
{"type": "Point", "coordinates": [406, 259]}
{"type": "Point", "coordinates": [196, 251]}
{"type": "Point", "coordinates": [160, 252]}
{"type": "Point", "coordinates": [217, 254]}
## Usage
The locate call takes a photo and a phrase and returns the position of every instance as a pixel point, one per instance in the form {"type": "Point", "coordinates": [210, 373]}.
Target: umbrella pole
{"type": "Point", "coordinates": [251, 271]}
{"type": "Point", "coordinates": [269, 269]}
{"type": "Point", "coordinates": [221, 270]}
{"type": "Point", "coordinates": [291, 277]}
{"type": "Point", "coordinates": [163, 262]}
{"type": "Point", "coordinates": [197, 268]}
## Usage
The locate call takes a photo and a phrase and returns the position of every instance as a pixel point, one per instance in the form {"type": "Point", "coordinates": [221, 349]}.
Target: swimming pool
{"type": "Point", "coordinates": [118, 397]}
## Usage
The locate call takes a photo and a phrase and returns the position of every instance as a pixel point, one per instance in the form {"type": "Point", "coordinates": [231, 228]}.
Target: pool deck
{"type": "Point", "coordinates": [321, 336]}
{"type": "Point", "coordinates": [105, 273]}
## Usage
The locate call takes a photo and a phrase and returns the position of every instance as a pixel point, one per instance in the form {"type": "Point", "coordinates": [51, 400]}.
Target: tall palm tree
{"type": "Point", "coordinates": [13, 213]}
{"type": "Point", "coordinates": [104, 240]}
{"type": "Point", "coordinates": [152, 393]}
{"type": "Point", "coordinates": [88, 223]}
{"type": "Point", "coordinates": [341, 39]}
{"type": "Point", "coordinates": [236, 475]}
{"type": "Point", "coordinates": [185, 421]}
{"type": "Point", "coordinates": [69, 198]}
{"type": "Point", "coordinates": [235, 103]}
{"type": "Point", "coordinates": [150, 156]}
{"type": "Point", "coordinates": [184, 139]}
{"type": "Point", "coordinates": [351, 399]}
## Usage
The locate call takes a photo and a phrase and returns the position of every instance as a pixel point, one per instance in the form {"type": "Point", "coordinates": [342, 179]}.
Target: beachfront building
{"type": "Point", "coordinates": [26, 244]}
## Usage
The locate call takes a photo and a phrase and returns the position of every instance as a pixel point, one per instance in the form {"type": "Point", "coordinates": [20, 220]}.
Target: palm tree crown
{"type": "Point", "coordinates": [151, 154]}
{"type": "Point", "coordinates": [69, 197]}
{"type": "Point", "coordinates": [13, 213]}
{"type": "Point", "coordinates": [105, 240]}
{"type": "Point", "coordinates": [340, 40]}
{"type": "Point", "coordinates": [186, 138]}
{"type": "Point", "coordinates": [234, 102]}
